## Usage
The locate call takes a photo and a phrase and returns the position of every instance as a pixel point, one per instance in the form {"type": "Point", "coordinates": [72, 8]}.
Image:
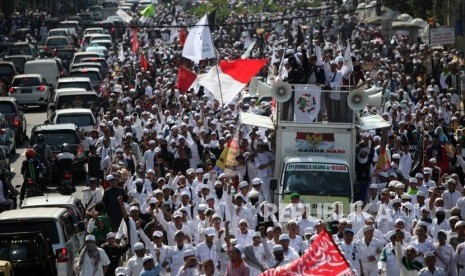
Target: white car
{"type": "Point", "coordinates": [83, 118]}
{"type": "Point", "coordinates": [30, 89]}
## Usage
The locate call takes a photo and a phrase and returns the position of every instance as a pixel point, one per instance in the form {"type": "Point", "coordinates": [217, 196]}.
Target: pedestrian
{"type": "Point", "coordinates": [92, 260]}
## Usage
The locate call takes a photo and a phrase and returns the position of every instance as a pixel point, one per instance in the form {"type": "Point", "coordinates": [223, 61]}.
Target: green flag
{"type": "Point", "coordinates": [148, 11]}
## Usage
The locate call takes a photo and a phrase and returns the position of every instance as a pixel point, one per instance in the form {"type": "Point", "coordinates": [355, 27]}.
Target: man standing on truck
{"type": "Point", "coordinates": [264, 161]}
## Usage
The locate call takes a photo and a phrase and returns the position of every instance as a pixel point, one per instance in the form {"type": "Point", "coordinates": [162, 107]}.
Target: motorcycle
{"type": "Point", "coordinates": [30, 188]}
{"type": "Point", "coordinates": [65, 185]}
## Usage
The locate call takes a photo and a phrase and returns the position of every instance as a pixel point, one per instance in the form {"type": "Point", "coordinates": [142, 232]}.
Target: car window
{"type": "Point", "coordinates": [109, 5]}
{"type": "Point", "coordinates": [68, 227]}
{"type": "Point", "coordinates": [77, 101]}
{"type": "Point", "coordinates": [58, 138]}
{"type": "Point", "coordinates": [79, 120]}
{"type": "Point", "coordinates": [82, 84]}
{"type": "Point", "coordinates": [26, 82]}
{"type": "Point", "coordinates": [18, 62]}
{"type": "Point", "coordinates": [20, 249]}
{"type": "Point", "coordinates": [6, 107]}
{"type": "Point", "coordinates": [93, 76]}
{"type": "Point", "coordinates": [6, 69]}
{"type": "Point", "coordinates": [19, 50]}
{"type": "Point", "coordinates": [57, 42]}
{"type": "Point", "coordinates": [46, 227]}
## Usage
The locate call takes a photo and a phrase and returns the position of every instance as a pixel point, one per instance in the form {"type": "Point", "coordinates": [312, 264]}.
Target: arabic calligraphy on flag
{"type": "Point", "coordinates": [306, 103]}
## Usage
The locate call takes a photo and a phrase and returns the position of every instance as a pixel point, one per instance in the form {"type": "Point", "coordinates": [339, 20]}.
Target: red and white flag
{"type": "Point", "coordinates": [135, 42]}
{"type": "Point", "coordinates": [186, 79]}
{"type": "Point", "coordinates": [230, 77]}
{"type": "Point", "coordinates": [322, 258]}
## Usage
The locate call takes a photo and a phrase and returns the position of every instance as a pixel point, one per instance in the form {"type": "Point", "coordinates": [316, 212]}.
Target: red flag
{"type": "Point", "coordinates": [182, 37]}
{"type": "Point", "coordinates": [135, 42]}
{"type": "Point", "coordinates": [322, 258]}
{"type": "Point", "coordinates": [185, 79]}
{"type": "Point", "coordinates": [242, 70]}
{"type": "Point", "coordinates": [143, 61]}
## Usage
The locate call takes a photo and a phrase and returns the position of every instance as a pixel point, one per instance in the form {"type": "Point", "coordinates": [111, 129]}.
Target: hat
{"type": "Point", "coordinates": [451, 181]}
{"type": "Point", "coordinates": [459, 223]}
{"type": "Point", "coordinates": [418, 175]}
{"type": "Point", "coordinates": [256, 181]}
{"type": "Point", "coordinates": [147, 258]}
{"type": "Point", "coordinates": [373, 186]}
{"type": "Point", "coordinates": [396, 200]}
{"type": "Point", "coordinates": [199, 170]}
{"type": "Point", "coordinates": [406, 197]}
{"type": "Point", "coordinates": [429, 254]}
{"type": "Point", "coordinates": [421, 193]}
{"type": "Point", "coordinates": [269, 229]}
{"type": "Point", "coordinates": [157, 234]}
{"type": "Point", "coordinates": [243, 184]}
{"type": "Point", "coordinates": [202, 207]}
{"type": "Point", "coordinates": [454, 218]}
{"type": "Point", "coordinates": [110, 177]}
{"type": "Point", "coordinates": [413, 180]}
{"type": "Point", "coordinates": [138, 181]}
{"type": "Point", "coordinates": [210, 232]}
{"type": "Point", "coordinates": [348, 231]}
{"type": "Point", "coordinates": [90, 238]}
{"type": "Point", "coordinates": [284, 237]}
{"type": "Point", "coordinates": [188, 253]}
{"type": "Point", "coordinates": [166, 186]}
{"type": "Point", "coordinates": [257, 234]}
{"type": "Point", "coordinates": [396, 156]}
{"type": "Point", "coordinates": [110, 235]}
{"type": "Point", "coordinates": [427, 170]}
{"type": "Point", "coordinates": [367, 228]}
{"type": "Point", "coordinates": [440, 209]}
{"type": "Point", "coordinates": [119, 271]}
{"type": "Point", "coordinates": [277, 248]}
{"type": "Point", "coordinates": [295, 195]}
{"type": "Point", "coordinates": [134, 208]}
{"type": "Point", "coordinates": [139, 246]}
{"type": "Point", "coordinates": [408, 205]}
{"type": "Point", "coordinates": [400, 185]}
{"type": "Point", "coordinates": [129, 135]}
{"type": "Point", "coordinates": [153, 200]}
{"type": "Point", "coordinates": [309, 230]}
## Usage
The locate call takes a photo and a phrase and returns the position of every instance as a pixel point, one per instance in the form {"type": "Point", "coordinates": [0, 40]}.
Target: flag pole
{"type": "Point", "coordinates": [218, 76]}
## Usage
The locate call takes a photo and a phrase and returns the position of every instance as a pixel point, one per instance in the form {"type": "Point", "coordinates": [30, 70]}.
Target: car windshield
{"type": "Point", "coordinates": [20, 249]}
{"type": "Point", "coordinates": [6, 69]}
{"type": "Point", "coordinates": [93, 76]}
{"type": "Point", "coordinates": [109, 5]}
{"type": "Point", "coordinates": [77, 101]}
{"type": "Point", "coordinates": [57, 42]}
{"type": "Point", "coordinates": [81, 84]}
{"type": "Point", "coordinates": [58, 138]}
{"type": "Point", "coordinates": [60, 32]}
{"type": "Point", "coordinates": [19, 50]}
{"type": "Point", "coordinates": [18, 62]}
{"type": "Point", "coordinates": [78, 59]}
{"type": "Point", "coordinates": [313, 179]}
{"type": "Point", "coordinates": [81, 120]}
{"type": "Point", "coordinates": [6, 108]}
{"type": "Point", "coordinates": [26, 82]}
{"type": "Point", "coordinates": [47, 228]}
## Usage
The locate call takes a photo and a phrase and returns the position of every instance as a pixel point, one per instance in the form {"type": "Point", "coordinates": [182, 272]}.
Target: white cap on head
{"type": "Point", "coordinates": [90, 238]}
{"type": "Point", "coordinates": [139, 246]}
{"type": "Point", "coordinates": [373, 186]}
{"type": "Point", "coordinates": [243, 184]}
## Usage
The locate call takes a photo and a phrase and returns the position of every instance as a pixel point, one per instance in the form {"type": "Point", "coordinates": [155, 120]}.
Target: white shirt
{"type": "Point", "coordinates": [133, 267]}
{"type": "Point", "coordinates": [87, 266]}
{"type": "Point", "coordinates": [264, 158]}
{"type": "Point", "coordinates": [170, 228]}
{"type": "Point", "coordinates": [204, 253]}
{"type": "Point", "coordinates": [450, 199]}
{"type": "Point", "coordinates": [405, 164]}
{"type": "Point", "coordinates": [148, 159]}
{"type": "Point", "coordinates": [90, 198]}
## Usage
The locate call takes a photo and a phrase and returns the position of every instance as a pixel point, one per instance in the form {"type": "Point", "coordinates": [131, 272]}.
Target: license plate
{"type": "Point", "coordinates": [24, 91]}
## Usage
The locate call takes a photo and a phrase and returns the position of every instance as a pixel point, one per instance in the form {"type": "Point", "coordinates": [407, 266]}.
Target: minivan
{"type": "Point", "coordinates": [55, 224]}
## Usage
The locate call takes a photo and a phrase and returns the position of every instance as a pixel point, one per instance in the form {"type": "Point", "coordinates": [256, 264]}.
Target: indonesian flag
{"type": "Point", "coordinates": [322, 258]}
{"type": "Point", "coordinates": [230, 77]}
{"type": "Point", "coordinates": [143, 61]}
{"type": "Point", "coordinates": [135, 42]}
{"type": "Point", "coordinates": [186, 79]}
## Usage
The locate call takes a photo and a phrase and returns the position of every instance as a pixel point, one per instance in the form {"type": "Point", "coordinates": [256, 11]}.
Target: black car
{"type": "Point", "coordinates": [7, 72]}
{"type": "Point", "coordinates": [14, 115]}
{"type": "Point", "coordinates": [19, 61]}
{"type": "Point", "coordinates": [30, 253]}
{"type": "Point", "coordinates": [58, 134]}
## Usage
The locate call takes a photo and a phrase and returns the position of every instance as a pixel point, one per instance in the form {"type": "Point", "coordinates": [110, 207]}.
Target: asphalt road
{"type": "Point", "coordinates": [34, 116]}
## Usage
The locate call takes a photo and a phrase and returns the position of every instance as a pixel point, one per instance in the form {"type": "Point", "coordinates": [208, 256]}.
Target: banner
{"type": "Point", "coordinates": [306, 102]}
{"type": "Point", "coordinates": [322, 258]}
{"type": "Point", "coordinates": [199, 44]}
{"type": "Point", "coordinates": [126, 17]}
{"type": "Point", "coordinates": [442, 36]}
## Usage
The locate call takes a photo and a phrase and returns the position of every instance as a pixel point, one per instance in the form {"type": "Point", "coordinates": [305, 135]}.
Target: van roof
{"type": "Point", "coordinates": [72, 110]}
{"type": "Point", "coordinates": [84, 53]}
{"type": "Point", "coordinates": [73, 79]}
{"type": "Point", "coordinates": [32, 214]}
{"type": "Point", "coordinates": [41, 61]}
{"type": "Point", "coordinates": [62, 90]}
{"type": "Point", "coordinates": [52, 127]}
{"type": "Point", "coordinates": [51, 199]}
{"type": "Point", "coordinates": [28, 76]}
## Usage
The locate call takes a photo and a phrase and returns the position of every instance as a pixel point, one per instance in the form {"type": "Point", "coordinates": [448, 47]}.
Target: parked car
{"type": "Point", "coordinates": [13, 113]}
{"type": "Point", "coordinates": [55, 224]}
{"type": "Point", "coordinates": [29, 253]}
{"type": "Point", "coordinates": [30, 89]}
{"type": "Point", "coordinates": [56, 136]}
{"type": "Point", "coordinates": [19, 61]}
{"type": "Point", "coordinates": [7, 72]}
{"type": "Point", "coordinates": [71, 203]}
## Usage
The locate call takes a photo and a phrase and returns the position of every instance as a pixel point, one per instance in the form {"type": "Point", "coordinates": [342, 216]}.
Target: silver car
{"type": "Point", "coordinates": [30, 89]}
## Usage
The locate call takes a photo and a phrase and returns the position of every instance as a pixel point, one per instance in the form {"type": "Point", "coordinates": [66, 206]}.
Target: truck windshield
{"type": "Point", "coordinates": [317, 179]}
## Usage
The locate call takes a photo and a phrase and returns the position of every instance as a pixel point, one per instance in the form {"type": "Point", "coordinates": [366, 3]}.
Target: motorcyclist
{"type": "Point", "coordinates": [65, 159]}
{"type": "Point", "coordinates": [44, 154]}
{"type": "Point", "coordinates": [42, 54]}
{"type": "Point", "coordinates": [31, 169]}
{"type": "Point", "coordinates": [8, 193]}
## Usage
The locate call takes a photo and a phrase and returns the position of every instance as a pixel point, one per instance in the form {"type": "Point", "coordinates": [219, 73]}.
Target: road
{"type": "Point", "coordinates": [34, 116]}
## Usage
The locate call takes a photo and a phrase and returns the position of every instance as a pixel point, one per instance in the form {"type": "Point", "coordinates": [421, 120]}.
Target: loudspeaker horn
{"type": "Point", "coordinates": [357, 99]}
{"type": "Point", "coordinates": [372, 90]}
{"type": "Point", "coordinates": [263, 90]}
{"type": "Point", "coordinates": [253, 86]}
{"type": "Point", "coordinates": [375, 100]}
{"type": "Point", "coordinates": [281, 91]}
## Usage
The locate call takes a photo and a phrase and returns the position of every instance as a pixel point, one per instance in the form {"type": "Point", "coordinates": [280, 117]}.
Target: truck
{"type": "Point", "coordinates": [317, 159]}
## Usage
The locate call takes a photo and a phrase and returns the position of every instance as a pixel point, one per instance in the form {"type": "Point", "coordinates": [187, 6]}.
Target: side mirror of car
{"type": "Point", "coordinates": [80, 227]}
{"type": "Point", "coordinates": [273, 183]}
{"type": "Point", "coordinates": [46, 122]}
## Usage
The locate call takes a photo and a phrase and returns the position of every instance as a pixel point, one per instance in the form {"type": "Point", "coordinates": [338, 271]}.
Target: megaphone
{"type": "Point", "coordinates": [263, 90]}
{"type": "Point", "coordinates": [375, 100]}
{"type": "Point", "coordinates": [373, 90]}
{"type": "Point", "coordinates": [281, 91]}
{"type": "Point", "coordinates": [253, 86]}
{"type": "Point", "coordinates": [357, 99]}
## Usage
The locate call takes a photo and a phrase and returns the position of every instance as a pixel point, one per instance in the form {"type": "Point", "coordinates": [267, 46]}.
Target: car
{"type": "Point", "coordinates": [7, 72]}
{"type": "Point", "coordinates": [101, 50]}
{"type": "Point", "coordinates": [93, 31]}
{"type": "Point", "coordinates": [108, 44]}
{"type": "Point", "coordinates": [101, 60]}
{"type": "Point", "coordinates": [57, 42]}
{"type": "Point", "coordinates": [58, 134]}
{"type": "Point", "coordinates": [65, 55]}
{"type": "Point", "coordinates": [13, 113]}
{"type": "Point", "coordinates": [97, 12]}
{"type": "Point", "coordinates": [100, 37]}
{"type": "Point", "coordinates": [73, 98]}
{"type": "Point", "coordinates": [71, 203]}
{"type": "Point", "coordinates": [114, 28]}
{"type": "Point", "coordinates": [78, 56]}
{"type": "Point", "coordinates": [59, 32]}
{"type": "Point", "coordinates": [22, 48]}
{"type": "Point", "coordinates": [30, 89]}
{"type": "Point", "coordinates": [50, 69]}
{"type": "Point", "coordinates": [7, 137]}
{"type": "Point", "coordinates": [55, 224]}
{"type": "Point", "coordinates": [83, 118]}
{"type": "Point", "coordinates": [28, 252]}
{"type": "Point", "coordinates": [86, 18]}
{"type": "Point", "coordinates": [19, 61]}
{"type": "Point", "coordinates": [73, 26]}
{"type": "Point", "coordinates": [109, 8]}
{"type": "Point", "coordinates": [78, 82]}
{"type": "Point", "coordinates": [88, 65]}
{"type": "Point", "coordinates": [92, 73]}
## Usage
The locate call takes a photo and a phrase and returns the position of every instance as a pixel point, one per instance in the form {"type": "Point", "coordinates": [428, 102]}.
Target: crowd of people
{"type": "Point", "coordinates": [156, 200]}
